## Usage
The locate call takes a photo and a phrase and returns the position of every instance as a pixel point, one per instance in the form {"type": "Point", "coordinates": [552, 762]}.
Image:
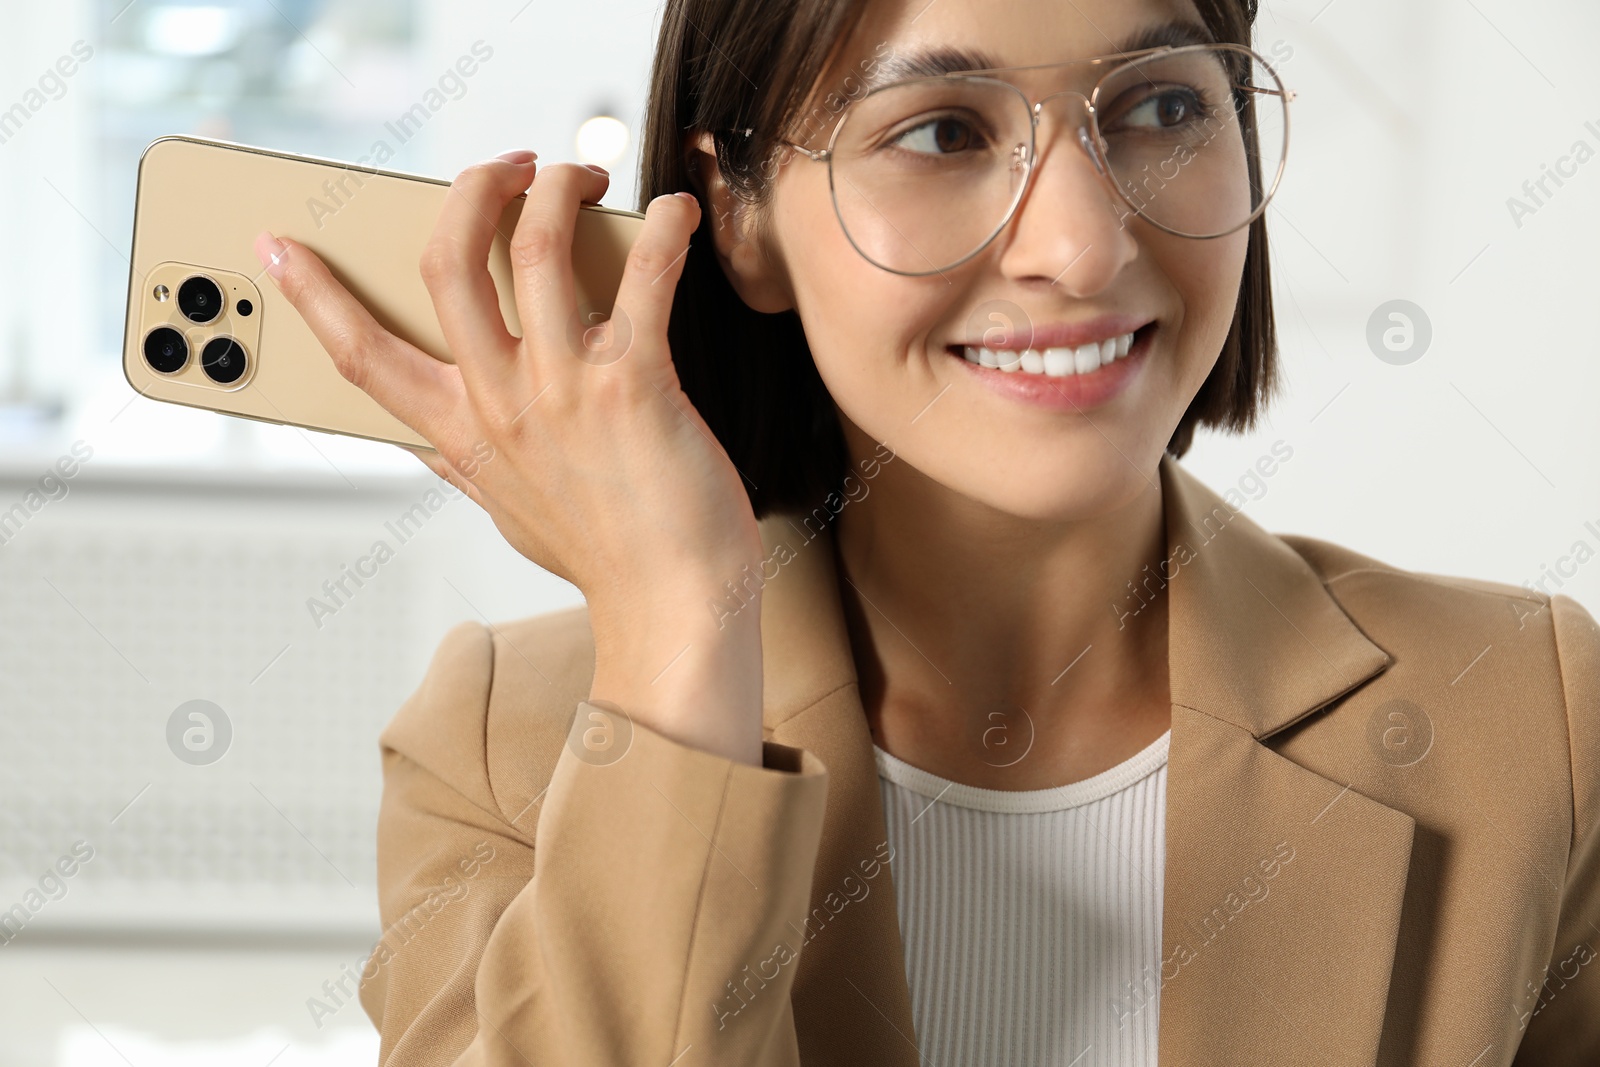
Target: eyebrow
{"type": "Point", "coordinates": [927, 63]}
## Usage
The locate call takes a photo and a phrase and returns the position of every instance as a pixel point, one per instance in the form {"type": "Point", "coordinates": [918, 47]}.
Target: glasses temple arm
{"type": "Point", "coordinates": [816, 155]}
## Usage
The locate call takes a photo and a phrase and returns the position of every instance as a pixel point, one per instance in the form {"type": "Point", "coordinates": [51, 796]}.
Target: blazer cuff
{"type": "Point", "coordinates": [673, 881]}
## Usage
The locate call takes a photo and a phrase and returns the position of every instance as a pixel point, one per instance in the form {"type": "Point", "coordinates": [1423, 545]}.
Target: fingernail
{"type": "Point", "coordinates": [598, 170]}
{"type": "Point", "coordinates": [689, 197]}
{"type": "Point", "coordinates": [271, 252]}
{"type": "Point", "coordinates": [520, 157]}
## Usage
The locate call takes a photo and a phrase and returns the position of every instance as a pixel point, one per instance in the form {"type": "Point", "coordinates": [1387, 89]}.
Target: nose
{"type": "Point", "coordinates": [1069, 229]}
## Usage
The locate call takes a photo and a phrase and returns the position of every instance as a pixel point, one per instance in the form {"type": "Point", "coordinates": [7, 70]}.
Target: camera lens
{"type": "Point", "coordinates": [200, 299]}
{"type": "Point", "coordinates": [223, 360]}
{"type": "Point", "coordinates": [245, 308]}
{"type": "Point", "coordinates": [166, 350]}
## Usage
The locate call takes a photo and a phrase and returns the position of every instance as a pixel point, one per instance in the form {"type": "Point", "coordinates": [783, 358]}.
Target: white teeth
{"type": "Point", "coordinates": [1054, 362]}
{"type": "Point", "coordinates": [1088, 358]}
{"type": "Point", "coordinates": [1058, 362]}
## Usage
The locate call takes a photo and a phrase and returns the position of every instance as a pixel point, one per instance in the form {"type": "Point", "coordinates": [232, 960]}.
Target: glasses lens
{"type": "Point", "coordinates": [925, 171]}
{"type": "Point", "coordinates": [1195, 138]}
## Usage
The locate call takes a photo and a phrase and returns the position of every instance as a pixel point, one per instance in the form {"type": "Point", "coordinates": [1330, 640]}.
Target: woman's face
{"type": "Point", "coordinates": [890, 348]}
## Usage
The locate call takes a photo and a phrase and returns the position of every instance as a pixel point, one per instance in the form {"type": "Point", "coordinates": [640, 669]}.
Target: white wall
{"type": "Point", "coordinates": [1414, 125]}
{"type": "Point", "coordinates": [554, 66]}
{"type": "Point", "coordinates": [44, 236]}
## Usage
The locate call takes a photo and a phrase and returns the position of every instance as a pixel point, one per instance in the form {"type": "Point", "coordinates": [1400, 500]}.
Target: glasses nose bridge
{"type": "Point", "coordinates": [1081, 123]}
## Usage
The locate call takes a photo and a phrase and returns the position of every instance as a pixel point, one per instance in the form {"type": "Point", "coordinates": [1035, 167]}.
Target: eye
{"type": "Point", "coordinates": [939, 136]}
{"type": "Point", "coordinates": [1164, 109]}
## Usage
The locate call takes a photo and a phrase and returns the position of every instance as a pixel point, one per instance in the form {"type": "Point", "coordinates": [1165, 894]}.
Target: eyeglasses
{"type": "Point", "coordinates": [926, 172]}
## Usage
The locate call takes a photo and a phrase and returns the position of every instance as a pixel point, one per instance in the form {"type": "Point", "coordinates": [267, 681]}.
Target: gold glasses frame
{"type": "Point", "coordinates": [1089, 138]}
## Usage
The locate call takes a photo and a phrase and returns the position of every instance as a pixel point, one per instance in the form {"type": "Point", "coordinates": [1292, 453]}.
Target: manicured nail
{"type": "Point", "coordinates": [521, 157]}
{"type": "Point", "coordinates": [271, 252]}
{"type": "Point", "coordinates": [598, 170]}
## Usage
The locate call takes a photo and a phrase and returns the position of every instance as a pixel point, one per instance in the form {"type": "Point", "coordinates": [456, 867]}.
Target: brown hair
{"type": "Point", "coordinates": [751, 375]}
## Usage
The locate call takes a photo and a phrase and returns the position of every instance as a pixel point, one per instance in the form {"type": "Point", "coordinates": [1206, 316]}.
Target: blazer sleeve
{"type": "Point", "coordinates": [658, 881]}
{"type": "Point", "coordinates": [1564, 1028]}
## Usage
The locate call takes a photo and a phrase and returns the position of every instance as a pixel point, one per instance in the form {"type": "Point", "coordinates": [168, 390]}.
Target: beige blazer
{"type": "Point", "coordinates": [1424, 750]}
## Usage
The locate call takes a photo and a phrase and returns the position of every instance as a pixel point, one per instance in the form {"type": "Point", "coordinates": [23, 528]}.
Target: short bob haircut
{"type": "Point", "coordinates": [751, 375]}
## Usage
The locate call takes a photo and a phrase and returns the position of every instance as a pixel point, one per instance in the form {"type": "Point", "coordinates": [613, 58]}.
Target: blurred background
{"type": "Point", "coordinates": [170, 709]}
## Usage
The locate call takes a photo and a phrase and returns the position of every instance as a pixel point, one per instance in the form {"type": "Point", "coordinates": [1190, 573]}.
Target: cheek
{"type": "Point", "coordinates": [865, 326]}
{"type": "Point", "coordinates": [1206, 276]}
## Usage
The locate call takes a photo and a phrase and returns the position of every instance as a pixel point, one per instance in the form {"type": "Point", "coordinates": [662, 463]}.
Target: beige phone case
{"type": "Point", "coordinates": [200, 206]}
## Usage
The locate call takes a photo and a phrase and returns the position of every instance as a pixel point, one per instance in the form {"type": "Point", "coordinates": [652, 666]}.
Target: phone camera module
{"type": "Point", "coordinates": [223, 360]}
{"type": "Point", "coordinates": [200, 299]}
{"type": "Point", "coordinates": [165, 350]}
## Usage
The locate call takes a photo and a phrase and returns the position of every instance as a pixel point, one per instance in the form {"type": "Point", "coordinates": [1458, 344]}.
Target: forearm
{"type": "Point", "coordinates": [671, 661]}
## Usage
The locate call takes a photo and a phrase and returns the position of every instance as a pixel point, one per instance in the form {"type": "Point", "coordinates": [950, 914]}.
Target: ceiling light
{"type": "Point", "coordinates": [602, 140]}
{"type": "Point", "coordinates": [191, 31]}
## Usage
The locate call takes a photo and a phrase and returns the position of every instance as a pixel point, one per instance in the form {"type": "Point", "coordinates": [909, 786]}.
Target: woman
{"type": "Point", "coordinates": [900, 610]}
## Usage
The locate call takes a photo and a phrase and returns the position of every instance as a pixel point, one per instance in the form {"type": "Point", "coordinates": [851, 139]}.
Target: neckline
{"type": "Point", "coordinates": [1135, 768]}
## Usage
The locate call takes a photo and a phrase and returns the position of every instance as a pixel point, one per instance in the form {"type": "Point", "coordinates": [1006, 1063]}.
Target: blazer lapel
{"type": "Point", "coordinates": [1282, 887]}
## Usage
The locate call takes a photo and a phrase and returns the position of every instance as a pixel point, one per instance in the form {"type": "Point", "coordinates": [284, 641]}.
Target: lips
{"type": "Point", "coordinates": [1068, 378]}
{"type": "Point", "coordinates": [1058, 362]}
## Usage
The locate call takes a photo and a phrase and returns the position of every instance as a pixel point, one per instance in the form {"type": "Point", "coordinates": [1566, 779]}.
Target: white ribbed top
{"type": "Point", "coordinates": [1031, 921]}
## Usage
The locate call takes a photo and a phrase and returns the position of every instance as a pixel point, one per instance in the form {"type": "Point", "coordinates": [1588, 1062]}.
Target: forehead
{"type": "Point", "coordinates": [905, 38]}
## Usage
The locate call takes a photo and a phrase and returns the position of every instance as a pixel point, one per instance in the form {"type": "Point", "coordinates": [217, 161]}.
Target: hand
{"type": "Point", "coordinates": [597, 469]}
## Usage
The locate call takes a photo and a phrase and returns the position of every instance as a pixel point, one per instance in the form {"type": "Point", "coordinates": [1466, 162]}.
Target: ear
{"type": "Point", "coordinates": [756, 275]}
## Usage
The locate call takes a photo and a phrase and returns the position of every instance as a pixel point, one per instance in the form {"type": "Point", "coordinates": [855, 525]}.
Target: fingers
{"type": "Point", "coordinates": [541, 249]}
{"type": "Point", "coordinates": [411, 385]}
{"type": "Point", "coordinates": [455, 266]}
{"type": "Point", "coordinates": [655, 263]}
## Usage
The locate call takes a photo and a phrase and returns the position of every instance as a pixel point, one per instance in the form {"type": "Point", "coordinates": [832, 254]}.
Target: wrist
{"type": "Point", "coordinates": [699, 688]}
{"type": "Point", "coordinates": [686, 599]}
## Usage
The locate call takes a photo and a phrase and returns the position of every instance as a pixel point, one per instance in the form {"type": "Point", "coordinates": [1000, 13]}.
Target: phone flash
{"type": "Point", "coordinates": [163, 294]}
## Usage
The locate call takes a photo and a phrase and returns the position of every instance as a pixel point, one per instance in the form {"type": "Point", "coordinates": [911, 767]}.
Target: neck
{"type": "Point", "coordinates": [998, 651]}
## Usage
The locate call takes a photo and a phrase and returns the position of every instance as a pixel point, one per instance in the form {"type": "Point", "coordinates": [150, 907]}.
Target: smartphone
{"type": "Point", "coordinates": [206, 327]}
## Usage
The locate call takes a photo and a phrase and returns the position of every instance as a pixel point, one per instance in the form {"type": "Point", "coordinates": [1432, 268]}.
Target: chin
{"type": "Point", "coordinates": [1060, 489]}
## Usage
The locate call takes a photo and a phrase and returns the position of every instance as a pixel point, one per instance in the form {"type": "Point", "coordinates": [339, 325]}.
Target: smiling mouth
{"type": "Point", "coordinates": [1054, 362]}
